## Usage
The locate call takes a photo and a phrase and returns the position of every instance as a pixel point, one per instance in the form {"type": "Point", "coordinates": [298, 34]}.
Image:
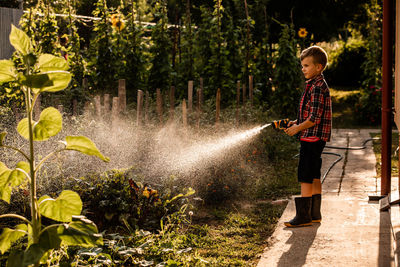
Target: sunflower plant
{"type": "Point", "coordinates": [41, 73]}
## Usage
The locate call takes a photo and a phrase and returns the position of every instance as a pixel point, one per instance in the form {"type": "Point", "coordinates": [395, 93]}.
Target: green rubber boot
{"type": "Point", "coordinates": [303, 213]}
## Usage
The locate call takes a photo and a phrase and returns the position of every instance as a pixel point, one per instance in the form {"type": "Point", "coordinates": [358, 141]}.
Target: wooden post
{"type": "Point", "coordinates": [198, 108]}
{"type": "Point", "coordinates": [244, 93]}
{"type": "Point", "coordinates": [84, 84]}
{"type": "Point", "coordinates": [97, 105]}
{"type": "Point", "coordinates": [251, 89]}
{"type": "Point", "coordinates": [106, 106]}
{"type": "Point", "coordinates": [86, 108]}
{"type": "Point", "coordinates": [74, 107]}
{"type": "Point", "coordinates": [172, 103]}
{"type": "Point", "coordinates": [37, 108]}
{"type": "Point", "coordinates": [122, 94]}
{"type": "Point", "coordinates": [184, 113]}
{"type": "Point", "coordinates": [201, 91]}
{"type": "Point", "coordinates": [159, 105]}
{"type": "Point", "coordinates": [146, 108]}
{"type": "Point", "coordinates": [218, 106]}
{"type": "Point", "coordinates": [139, 108]}
{"type": "Point", "coordinates": [237, 102]}
{"type": "Point", "coordinates": [60, 109]}
{"type": "Point", "coordinates": [190, 96]}
{"type": "Point", "coordinates": [115, 111]}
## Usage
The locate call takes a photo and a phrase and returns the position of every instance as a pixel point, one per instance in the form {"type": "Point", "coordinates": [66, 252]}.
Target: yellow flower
{"type": "Point", "coordinates": [117, 23]}
{"type": "Point", "coordinates": [302, 33]}
{"type": "Point", "coordinates": [146, 192]}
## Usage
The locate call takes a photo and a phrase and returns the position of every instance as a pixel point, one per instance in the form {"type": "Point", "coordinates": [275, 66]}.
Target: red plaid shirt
{"type": "Point", "coordinates": [315, 105]}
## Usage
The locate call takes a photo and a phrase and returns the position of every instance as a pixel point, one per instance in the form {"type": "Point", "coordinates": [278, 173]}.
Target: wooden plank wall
{"type": "Point", "coordinates": [7, 16]}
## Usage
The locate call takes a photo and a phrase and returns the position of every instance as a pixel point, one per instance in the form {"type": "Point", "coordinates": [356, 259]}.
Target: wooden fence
{"type": "Point", "coordinates": [8, 16]}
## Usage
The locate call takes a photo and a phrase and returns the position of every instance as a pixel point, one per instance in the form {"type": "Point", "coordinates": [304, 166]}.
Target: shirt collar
{"type": "Point", "coordinates": [315, 79]}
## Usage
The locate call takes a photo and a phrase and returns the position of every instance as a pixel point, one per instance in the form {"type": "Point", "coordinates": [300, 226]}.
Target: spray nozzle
{"type": "Point", "coordinates": [280, 124]}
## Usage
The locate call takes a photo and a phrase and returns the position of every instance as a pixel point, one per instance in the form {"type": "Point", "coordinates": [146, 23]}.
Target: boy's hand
{"type": "Point", "coordinates": [292, 130]}
{"type": "Point", "coordinates": [291, 123]}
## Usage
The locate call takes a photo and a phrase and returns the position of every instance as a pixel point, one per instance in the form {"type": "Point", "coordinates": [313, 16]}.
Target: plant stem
{"type": "Point", "coordinates": [34, 213]}
{"type": "Point", "coordinates": [18, 150]}
{"type": "Point", "coordinates": [46, 158]}
{"type": "Point", "coordinates": [15, 216]}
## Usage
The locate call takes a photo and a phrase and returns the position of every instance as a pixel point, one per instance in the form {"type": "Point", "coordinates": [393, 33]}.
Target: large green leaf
{"type": "Point", "coordinates": [84, 145]}
{"type": "Point", "coordinates": [80, 233]}
{"type": "Point", "coordinates": [48, 62]}
{"type": "Point", "coordinates": [51, 81]}
{"type": "Point", "coordinates": [7, 71]}
{"type": "Point", "coordinates": [20, 41]}
{"type": "Point", "coordinates": [9, 236]}
{"type": "Point", "coordinates": [10, 178]}
{"type": "Point", "coordinates": [62, 208]}
{"type": "Point", "coordinates": [49, 125]}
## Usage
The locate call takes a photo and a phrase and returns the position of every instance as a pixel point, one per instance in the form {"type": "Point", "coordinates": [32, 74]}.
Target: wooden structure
{"type": "Point", "coordinates": [8, 16]}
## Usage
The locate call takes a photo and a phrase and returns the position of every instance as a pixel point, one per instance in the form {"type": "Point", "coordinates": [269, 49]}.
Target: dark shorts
{"type": "Point", "coordinates": [310, 161]}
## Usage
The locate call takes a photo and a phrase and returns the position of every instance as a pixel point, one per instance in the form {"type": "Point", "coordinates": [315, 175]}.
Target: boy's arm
{"type": "Point", "coordinates": [295, 128]}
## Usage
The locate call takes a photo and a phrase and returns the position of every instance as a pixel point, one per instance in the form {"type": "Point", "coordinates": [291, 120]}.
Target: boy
{"type": "Point", "coordinates": [313, 124]}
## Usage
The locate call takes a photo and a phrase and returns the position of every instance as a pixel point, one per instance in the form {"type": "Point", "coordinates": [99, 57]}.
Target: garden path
{"type": "Point", "coordinates": [353, 231]}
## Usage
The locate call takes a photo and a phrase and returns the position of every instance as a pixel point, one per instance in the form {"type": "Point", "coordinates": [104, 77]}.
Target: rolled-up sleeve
{"type": "Point", "coordinates": [317, 105]}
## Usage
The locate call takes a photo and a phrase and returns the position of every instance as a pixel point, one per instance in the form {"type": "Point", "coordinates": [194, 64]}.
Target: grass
{"type": "Point", "coordinates": [378, 154]}
{"type": "Point", "coordinates": [238, 234]}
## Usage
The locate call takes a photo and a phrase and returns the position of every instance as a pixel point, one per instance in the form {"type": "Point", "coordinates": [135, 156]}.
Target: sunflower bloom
{"type": "Point", "coordinates": [302, 33]}
{"type": "Point", "coordinates": [117, 23]}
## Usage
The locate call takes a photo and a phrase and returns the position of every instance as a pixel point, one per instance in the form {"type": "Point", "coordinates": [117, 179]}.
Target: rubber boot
{"type": "Point", "coordinates": [316, 208]}
{"type": "Point", "coordinates": [303, 213]}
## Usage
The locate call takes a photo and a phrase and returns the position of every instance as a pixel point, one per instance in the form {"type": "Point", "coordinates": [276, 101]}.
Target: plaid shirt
{"type": "Point", "coordinates": [315, 105]}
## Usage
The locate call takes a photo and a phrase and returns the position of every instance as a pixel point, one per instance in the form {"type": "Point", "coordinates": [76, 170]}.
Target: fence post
{"type": "Point", "coordinates": [159, 105]}
{"type": "Point", "coordinates": [198, 108]}
{"type": "Point", "coordinates": [244, 94]}
{"type": "Point", "coordinates": [106, 105]}
{"type": "Point", "coordinates": [37, 108]}
{"type": "Point", "coordinates": [122, 94]}
{"type": "Point", "coordinates": [251, 89]}
{"type": "Point", "coordinates": [146, 107]}
{"type": "Point", "coordinates": [184, 113]}
{"type": "Point", "coordinates": [218, 107]}
{"type": "Point", "coordinates": [60, 109]}
{"type": "Point", "coordinates": [172, 103]}
{"type": "Point", "coordinates": [237, 102]}
{"type": "Point", "coordinates": [74, 107]}
{"type": "Point", "coordinates": [190, 96]}
{"type": "Point", "coordinates": [97, 105]}
{"type": "Point", "coordinates": [139, 108]}
{"type": "Point", "coordinates": [115, 112]}
{"type": "Point", "coordinates": [201, 91]}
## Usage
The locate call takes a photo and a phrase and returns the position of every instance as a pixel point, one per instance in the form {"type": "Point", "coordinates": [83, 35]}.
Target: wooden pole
{"type": "Point", "coordinates": [60, 109]}
{"type": "Point", "coordinates": [184, 113]}
{"type": "Point", "coordinates": [251, 89]}
{"type": "Point", "coordinates": [218, 107]}
{"type": "Point", "coordinates": [172, 103]}
{"type": "Point", "coordinates": [159, 105]}
{"type": "Point", "coordinates": [244, 94]}
{"type": "Point", "coordinates": [201, 91]}
{"type": "Point", "coordinates": [146, 108]}
{"type": "Point", "coordinates": [74, 107]}
{"type": "Point", "coordinates": [115, 112]}
{"type": "Point", "coordinates": [122, 94]}
{"type": "Point", "coordinates": [237, 102]}
{"type": "Point", "coordinates": [139, 113]}
{"type": "Point", "coordinates": [387, 65]}
{"type": "Point", "coordinates": [107, 106]}
{"type": "Point", "coordinates": [198, 108]}
{"type": "Point", "coordinates": [97, 105]}
{"type": "Point", "coordinates": [190, 96]}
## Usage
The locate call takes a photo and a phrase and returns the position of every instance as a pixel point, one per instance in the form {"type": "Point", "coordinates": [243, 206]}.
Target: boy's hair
{"type": "Point", "coordinates": [319, 55]}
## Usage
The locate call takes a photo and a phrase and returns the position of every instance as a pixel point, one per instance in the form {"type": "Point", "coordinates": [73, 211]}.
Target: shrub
{"type": "Point", "coordinates": [344, 63]}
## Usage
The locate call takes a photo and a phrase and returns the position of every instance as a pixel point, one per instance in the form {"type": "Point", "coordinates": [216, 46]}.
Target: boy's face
{"type": "Point", "coordinates": [309, 68]}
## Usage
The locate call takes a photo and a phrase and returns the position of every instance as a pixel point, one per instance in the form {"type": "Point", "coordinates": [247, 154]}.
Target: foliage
{"type": "Point", "coordinates": [119, 199]}
{"type": "Point", "coordinates": [287, 78]}
{"type": "Point", "coordinates": [367, 110]}
{"type": "Point", "coordinates": [345, 61]}
{"type": "Point", "coordinates": [161, 68]}
{"type": "Point", "coordinates": [41, 73]}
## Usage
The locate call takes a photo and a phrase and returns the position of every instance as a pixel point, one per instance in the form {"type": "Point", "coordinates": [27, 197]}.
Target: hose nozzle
{"type": "Point", "coordinates": [280, 124]}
